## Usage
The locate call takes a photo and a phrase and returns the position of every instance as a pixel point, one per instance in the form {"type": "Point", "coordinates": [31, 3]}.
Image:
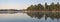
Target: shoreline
{"type": "Point", "coordinates": [41, 11]}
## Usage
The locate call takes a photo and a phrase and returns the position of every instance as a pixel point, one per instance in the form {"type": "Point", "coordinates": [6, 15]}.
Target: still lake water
{"type": "Point", "coordinates": [30, 17]}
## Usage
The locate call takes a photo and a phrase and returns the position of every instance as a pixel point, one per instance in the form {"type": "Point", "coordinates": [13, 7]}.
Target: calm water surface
{"type": "Point", "coordinates": [31, 17]}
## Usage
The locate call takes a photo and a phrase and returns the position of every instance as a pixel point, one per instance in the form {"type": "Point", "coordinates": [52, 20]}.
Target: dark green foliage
{"type": "Point", "coordinates": [39, 7]}
{"type": "Point", "coordinates": [36, 7]}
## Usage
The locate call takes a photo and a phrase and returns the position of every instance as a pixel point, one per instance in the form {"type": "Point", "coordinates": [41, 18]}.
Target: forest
{"type": "Point", "coordinates": [46, 7]}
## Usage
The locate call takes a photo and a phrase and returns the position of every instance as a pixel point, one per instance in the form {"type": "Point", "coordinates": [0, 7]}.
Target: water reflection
{"type": "Point", "coordinates": [31, 17]}
{"type": "Point", "coordinates": [39, 15]}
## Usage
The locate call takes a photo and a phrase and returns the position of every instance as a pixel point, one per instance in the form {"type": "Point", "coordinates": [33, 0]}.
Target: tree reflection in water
{"type": "Point", "coordinates": [39, 15]}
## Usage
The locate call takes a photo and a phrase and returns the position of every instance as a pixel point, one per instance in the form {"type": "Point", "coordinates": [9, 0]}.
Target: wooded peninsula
{"type": "Point", "coordinates": [46, 7]}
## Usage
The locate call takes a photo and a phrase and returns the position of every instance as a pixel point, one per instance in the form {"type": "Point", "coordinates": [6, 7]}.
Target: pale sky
{"type": "Point", "coordinates": [22, 4]}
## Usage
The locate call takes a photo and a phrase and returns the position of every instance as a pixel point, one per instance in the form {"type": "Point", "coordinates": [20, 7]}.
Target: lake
{"type": "Point", "coordinates": [30, 17]}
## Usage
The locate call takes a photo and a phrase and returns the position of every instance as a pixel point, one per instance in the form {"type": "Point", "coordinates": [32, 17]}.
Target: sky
{"type": "Point", "coordinates": [22, 4]}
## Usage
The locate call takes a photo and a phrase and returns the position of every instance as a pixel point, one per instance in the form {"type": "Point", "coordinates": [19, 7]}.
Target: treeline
{"type": "Point", "coordinates": [46, 7]}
